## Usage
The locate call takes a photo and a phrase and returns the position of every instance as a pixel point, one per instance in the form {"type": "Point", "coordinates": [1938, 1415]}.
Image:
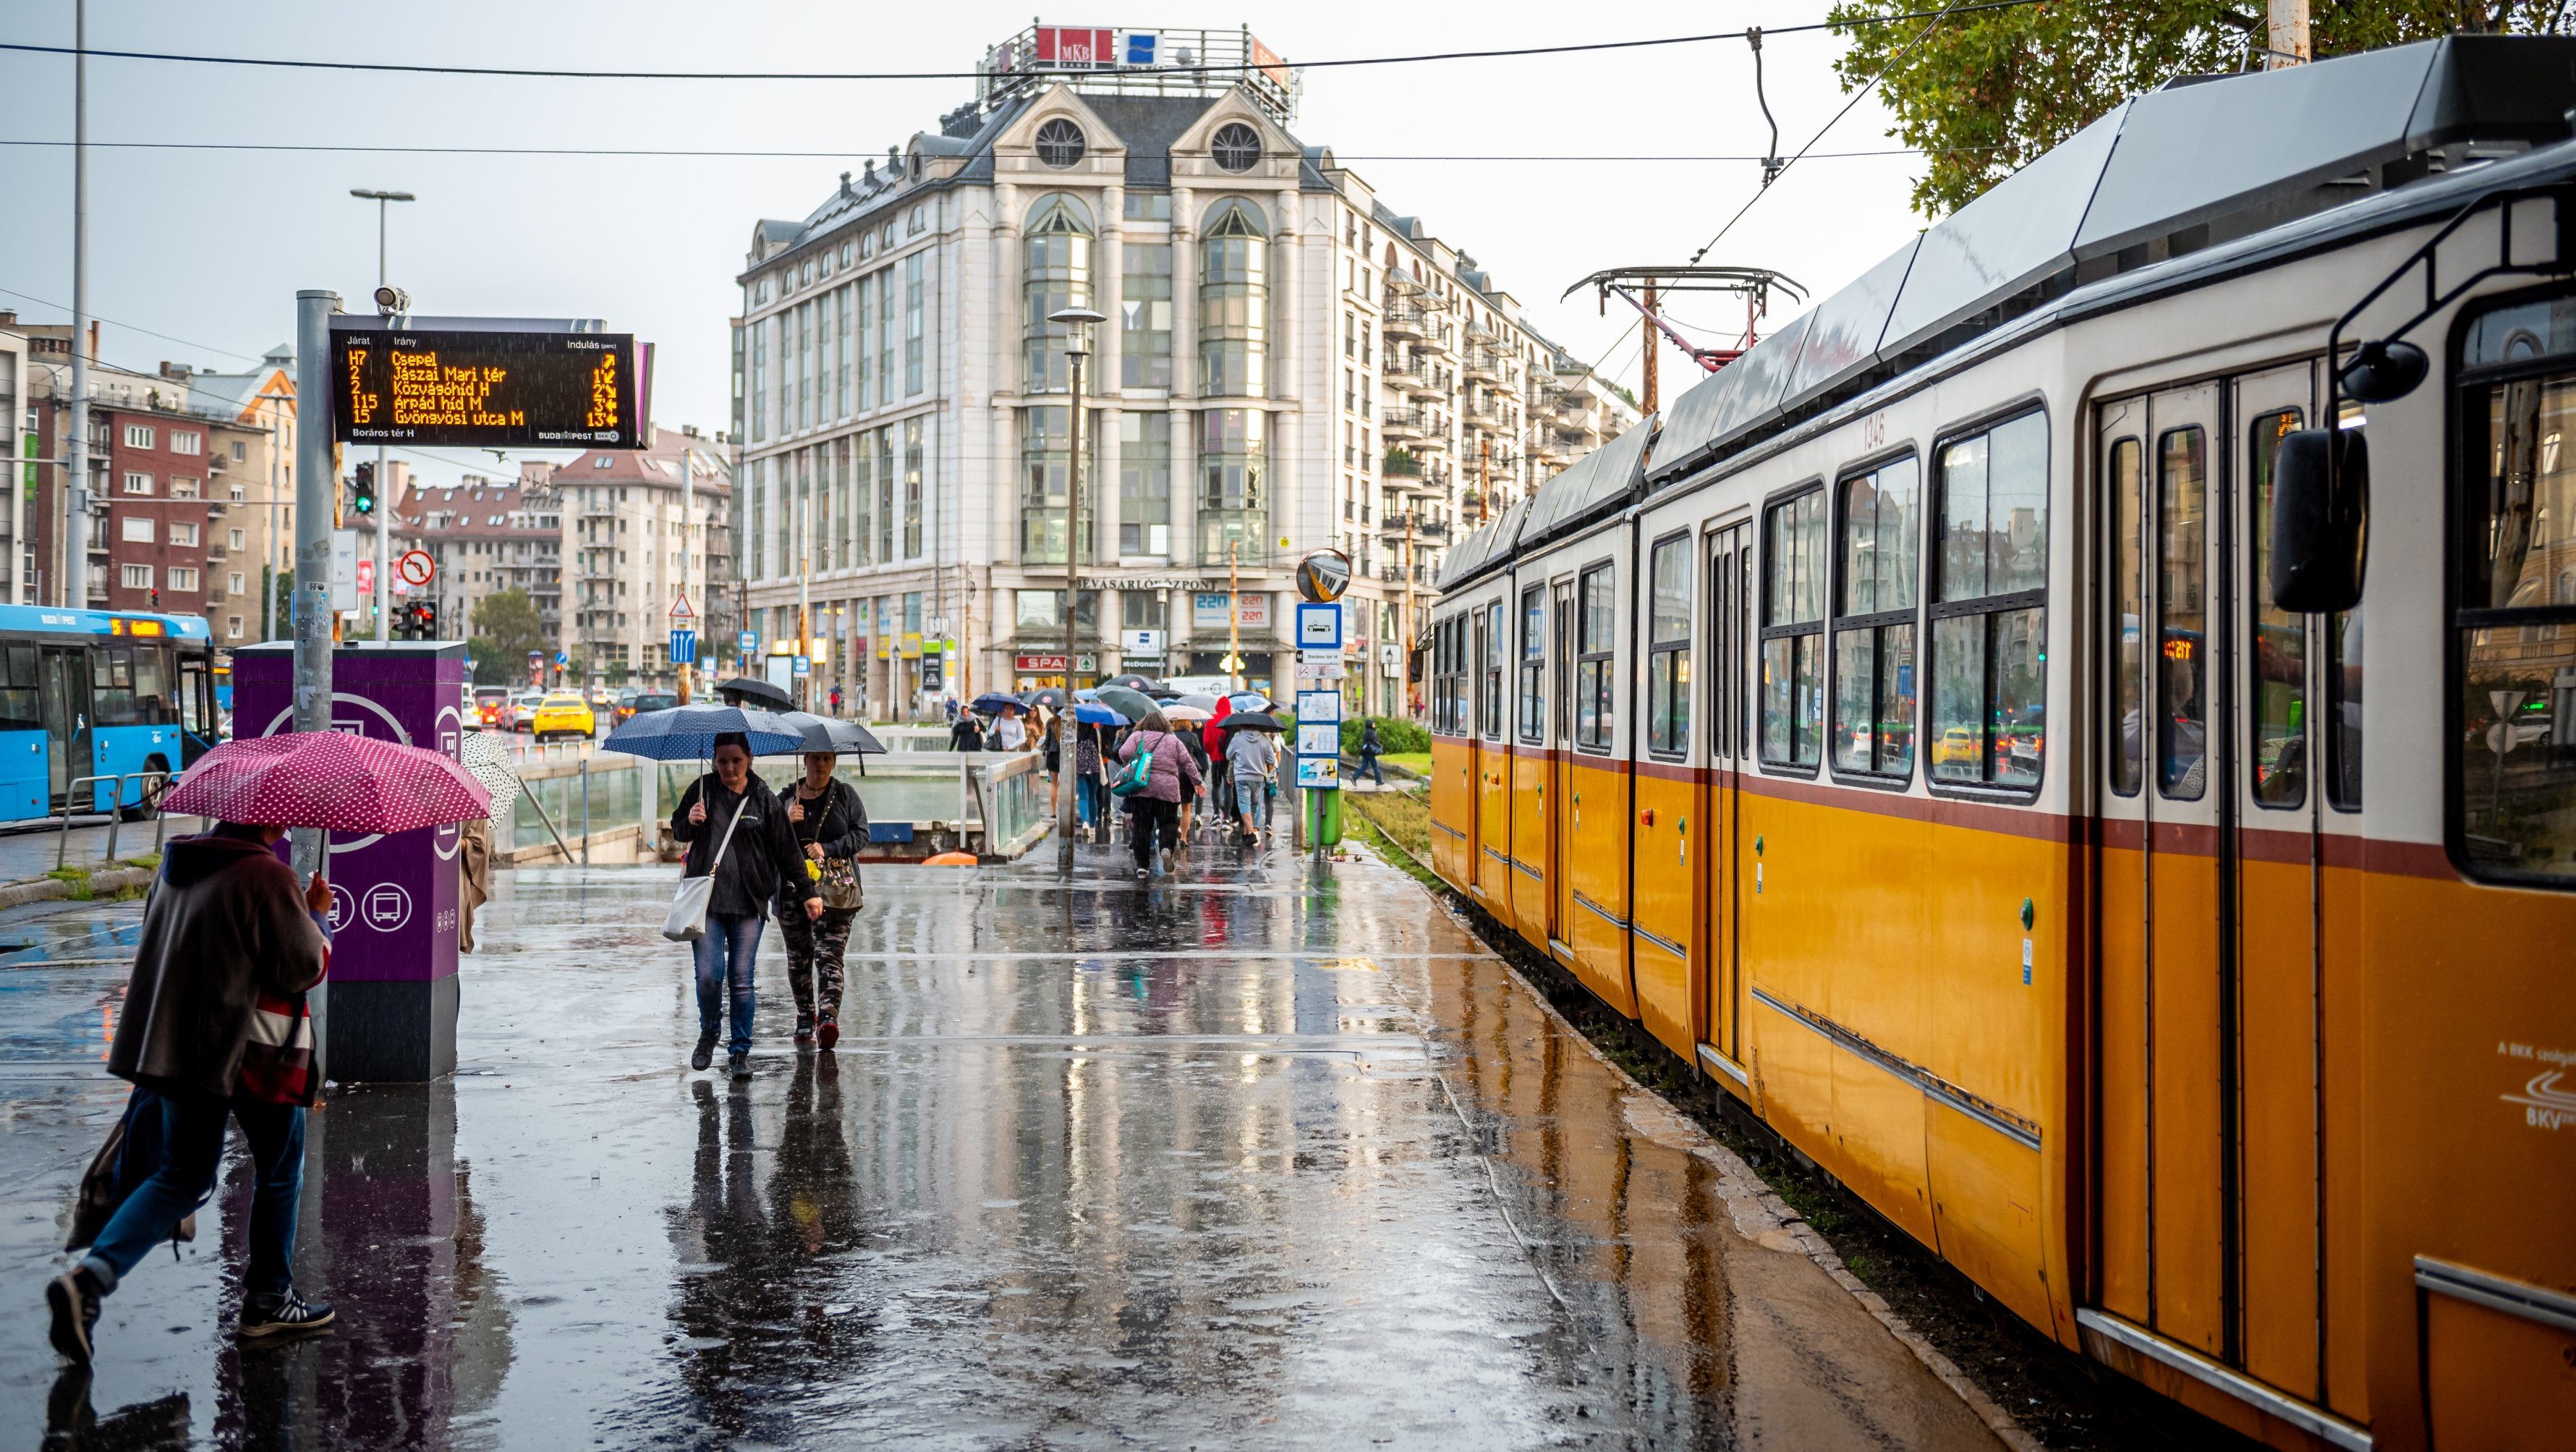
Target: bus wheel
{"type": "Point", "coordinates": [153, 787]}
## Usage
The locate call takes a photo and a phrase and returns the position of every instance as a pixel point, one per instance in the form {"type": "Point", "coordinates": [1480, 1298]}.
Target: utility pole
{"type": "Point", "coordinates": [315, 481]}
{"type": "Point", "coordinates": [1077, 323]}
{"type": "Point", "coordinates": [384, 481]}
{"type": "Point", "coordinates": [1653, 391]}
{"type": "Point", "coordinates": [2287, 43]}
{"type": "Point", "coordinates": [1405, 636]}
{"type": "Point", "coordinates": [76, 534]}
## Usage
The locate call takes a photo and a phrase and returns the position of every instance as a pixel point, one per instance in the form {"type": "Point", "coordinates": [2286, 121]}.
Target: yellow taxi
{"type": "Point", "coordinates": [563, 713]}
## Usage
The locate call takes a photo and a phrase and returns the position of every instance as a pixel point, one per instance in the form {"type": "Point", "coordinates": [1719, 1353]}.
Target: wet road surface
{"type": "Point", "coordinates": [1246, 1159]}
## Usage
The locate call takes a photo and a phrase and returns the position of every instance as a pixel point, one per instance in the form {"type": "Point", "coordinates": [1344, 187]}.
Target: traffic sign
{"type": "Point", "coordinates": [681, 609]}
{"type": "Point", "coordinates": [747, 642]}
{"type": "Point", "coordinates": [684, 647]}
{"type": "Point", "coordinates": [804, 666]}
{"type": "Point", "coordinates": [1319, 627]}
{"type": "Point", "coordinates": [415, 567]}
{"type": "Point", "coordinates": [562, 659]}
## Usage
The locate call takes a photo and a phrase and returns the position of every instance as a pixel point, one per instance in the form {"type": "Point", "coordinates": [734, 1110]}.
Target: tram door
{"type": "Point", "coordinates": [1727, 629]}
{"type": "Point", "coordinates": [1560, 765]}
{"type": "Point", "coordinates": [2207, 992]}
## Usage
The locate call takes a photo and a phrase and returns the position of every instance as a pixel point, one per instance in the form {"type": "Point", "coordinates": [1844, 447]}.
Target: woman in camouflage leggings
{"type": "Point", "coordinates": [829, 821]}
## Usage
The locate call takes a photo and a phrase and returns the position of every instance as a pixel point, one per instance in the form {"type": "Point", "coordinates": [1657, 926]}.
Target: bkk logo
{"type": "Point", "coordinates": [2546, 1104]}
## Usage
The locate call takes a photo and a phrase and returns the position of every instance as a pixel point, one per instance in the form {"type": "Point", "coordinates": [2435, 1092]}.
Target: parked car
{"type": "Point", "coordinates": [523, 710]}
{"type": "Point", "coordinates": [563, 713]}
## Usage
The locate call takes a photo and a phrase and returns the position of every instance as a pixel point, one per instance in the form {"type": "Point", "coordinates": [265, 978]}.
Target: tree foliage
{"type": "Point", "coordinates": [1984, 94]}
{"type": "Point", "coordinates": [506, 628]}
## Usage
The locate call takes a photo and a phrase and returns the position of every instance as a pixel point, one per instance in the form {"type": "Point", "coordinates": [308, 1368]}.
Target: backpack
{"type": "Point", "coordinates": [1136, 775]}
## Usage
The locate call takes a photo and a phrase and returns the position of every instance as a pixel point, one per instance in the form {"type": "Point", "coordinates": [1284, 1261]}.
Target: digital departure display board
{"type": "Point", "coordinates": [485, 389]}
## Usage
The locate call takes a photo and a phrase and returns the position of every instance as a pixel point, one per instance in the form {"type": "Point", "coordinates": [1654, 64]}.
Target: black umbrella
{"type": "Point", "coordinates": [751, 691]}
{"type": "Point", "coordinates": [1051, 697]}
{"type": "Point", "coordinates": [822, 733]}
{"type": "Point", "coordinates": [1251, 721]}
{"type": "Point", "coordinates": [1131, 681]}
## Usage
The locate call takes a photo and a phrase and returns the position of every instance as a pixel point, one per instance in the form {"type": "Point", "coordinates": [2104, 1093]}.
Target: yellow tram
{"type": "Point", "coordinates": [1907, 730]}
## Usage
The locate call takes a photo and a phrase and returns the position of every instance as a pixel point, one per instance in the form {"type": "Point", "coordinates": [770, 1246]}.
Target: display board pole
{"type": "Point", "coordinates": [316, 477]}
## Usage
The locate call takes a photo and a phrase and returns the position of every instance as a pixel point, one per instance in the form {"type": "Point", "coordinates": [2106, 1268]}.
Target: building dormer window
{"type": "Point", "coordinates": [1060, 143]}
{"type": "Point", "coordinates": [1236, 147]}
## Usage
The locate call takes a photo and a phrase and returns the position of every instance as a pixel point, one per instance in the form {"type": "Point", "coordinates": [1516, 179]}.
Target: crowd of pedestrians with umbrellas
{"type": "Point", "coordinates": [1210, 764]}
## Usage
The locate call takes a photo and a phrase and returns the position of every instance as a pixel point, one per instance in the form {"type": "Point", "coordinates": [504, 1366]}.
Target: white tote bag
{"type": "Point", "coordinates": [688, 918]}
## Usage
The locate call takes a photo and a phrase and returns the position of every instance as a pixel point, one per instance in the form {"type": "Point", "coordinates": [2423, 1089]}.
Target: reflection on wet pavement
{"type": "Point", "coordinates": [1248, 1158]}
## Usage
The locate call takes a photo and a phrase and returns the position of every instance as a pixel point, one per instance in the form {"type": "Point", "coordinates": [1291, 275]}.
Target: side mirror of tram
{"type": "Point", "coordinates": [2320, 520]}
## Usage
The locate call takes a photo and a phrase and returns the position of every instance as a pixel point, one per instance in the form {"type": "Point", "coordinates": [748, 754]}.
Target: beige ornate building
{"type": "Point", "coordinates": [1289, 365]}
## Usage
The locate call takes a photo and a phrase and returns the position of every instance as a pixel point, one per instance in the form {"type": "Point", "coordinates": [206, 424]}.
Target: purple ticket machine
{"type": "Point", "coordinates": [388, 1011]}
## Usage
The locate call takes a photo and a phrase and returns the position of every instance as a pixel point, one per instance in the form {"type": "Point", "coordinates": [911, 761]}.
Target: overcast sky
{"type": "Point", "coordinates": [210, 247]}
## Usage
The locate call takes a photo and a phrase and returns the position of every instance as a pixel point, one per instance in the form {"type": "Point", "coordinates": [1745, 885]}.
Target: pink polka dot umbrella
{"type": "Point", "coordinates": [328, 779]}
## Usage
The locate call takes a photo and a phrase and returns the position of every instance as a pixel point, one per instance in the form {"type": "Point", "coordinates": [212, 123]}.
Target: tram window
{"type": "Point", "coordinates": [2515, 771]}
{"type": "Point", "coordinates": [2279, 643]}
{"type": "Point", "coordinates": [1668, 674]}
{"type": "Point", "coordinates": [1793, 629]}
{"type": "Point", "coordinates": [2128, 586]}
{"type": "Point", "coordinates": [2182, 614]}
{"type": "Point", "coordinates": [1489, 702]}
{"type": "Point", "coordinates": [1989, 616]}
{"type": "Point", "coordinates": [1533, 662]}
{"type": "Point", "coordinates": [19, 702]}
{"type": "Point", "coordinates": [1593, 716]}
{"type": "Point", "coordinates": [1874, 621]}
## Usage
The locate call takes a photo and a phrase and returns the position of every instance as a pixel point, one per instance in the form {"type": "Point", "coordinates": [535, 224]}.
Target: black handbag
{"type": "Point", "coordinates": [131, 1154]}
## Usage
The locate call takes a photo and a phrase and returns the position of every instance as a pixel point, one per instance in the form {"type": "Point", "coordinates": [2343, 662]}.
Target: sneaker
{"type": "Point", "coordinates": [804, 1030]}
{"type": "Point", "coordinates": [704, 1054]}
{"type": "Point", "coordinates": [1142, 874]}
{"type": "Point", "coordinates": [739, 1065]}
{"type": "Point", "coordinates": [827, 1032]}
{"type": "Point", "coordinates": [291, 1313]}
{"type": "Point", "coordinates": [74, 1298]}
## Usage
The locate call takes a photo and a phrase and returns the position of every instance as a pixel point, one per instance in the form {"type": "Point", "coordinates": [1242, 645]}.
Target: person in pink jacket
{"type": "Point", "coordinates": [1157, 809]}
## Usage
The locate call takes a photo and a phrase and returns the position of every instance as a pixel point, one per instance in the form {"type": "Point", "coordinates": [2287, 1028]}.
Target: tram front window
{"type": "Point", "coordinates": [2516, 632]}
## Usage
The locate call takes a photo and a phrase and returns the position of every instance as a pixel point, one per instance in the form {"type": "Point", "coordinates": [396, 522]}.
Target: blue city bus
{"type": "Point", "coordinates": [99, 693]}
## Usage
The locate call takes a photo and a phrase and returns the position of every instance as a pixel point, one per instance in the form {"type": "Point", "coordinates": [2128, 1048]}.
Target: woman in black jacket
{"type": "Point", "coordinates": [830, 822]}
{"type": "Point", "coordinates": [763, 861]}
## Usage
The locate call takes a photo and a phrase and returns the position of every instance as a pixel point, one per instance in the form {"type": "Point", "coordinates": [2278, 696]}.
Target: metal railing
{"type": "Point", "coordinates": [115, 811]}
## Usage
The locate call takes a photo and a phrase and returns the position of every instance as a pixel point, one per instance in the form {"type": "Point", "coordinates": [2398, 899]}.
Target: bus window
{"type": "Point", "coordinates": [153, 705]}
{"type": "Point", "coordinates": [194, 717]}
{"type": "Point", "coordinates": [19, 710]}
{"type": "Point", "coordinates": [111, 684]}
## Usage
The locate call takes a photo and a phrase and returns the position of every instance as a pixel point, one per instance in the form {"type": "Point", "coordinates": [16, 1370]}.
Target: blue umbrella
{"type": "Point", "coordinates": [1093, 714]}
{"type": "Point", "coordinates": [991, 703]}
{"type": "Point", "coordinates": [688, 733]}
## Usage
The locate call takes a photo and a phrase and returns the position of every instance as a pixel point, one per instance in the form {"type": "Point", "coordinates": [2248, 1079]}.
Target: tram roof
{"type": "Point", "coordinates": [2203, 161]}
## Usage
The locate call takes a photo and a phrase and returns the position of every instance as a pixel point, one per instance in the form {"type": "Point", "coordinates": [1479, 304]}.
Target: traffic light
{"type": "Point", "coordinates": [426, 613]}
{"type": "Point", "coordinates": [362, 492]}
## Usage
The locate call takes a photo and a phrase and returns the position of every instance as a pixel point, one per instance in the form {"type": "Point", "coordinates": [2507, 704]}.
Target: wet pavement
{"type": "Point", "coordinates": [1245, 1159]}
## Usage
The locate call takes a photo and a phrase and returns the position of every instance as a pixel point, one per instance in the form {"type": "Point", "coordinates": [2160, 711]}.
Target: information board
{"type": "Point", "coordinates": [485, 389]}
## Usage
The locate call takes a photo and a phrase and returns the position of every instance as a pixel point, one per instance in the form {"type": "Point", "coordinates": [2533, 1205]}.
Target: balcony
{"type": "Point", "coordinates": [1420, 386]}
{"type": "Point", "coordinates": [1484, 416]}
{"type": "Point", "coordinates": [1403, 423]}
{"type": "Point", "coordinates": [1485, 365]}
{"type": "Point", "coordinates": [1404, 320]}
{"type": "Point", "coordinates": [1402, 379]}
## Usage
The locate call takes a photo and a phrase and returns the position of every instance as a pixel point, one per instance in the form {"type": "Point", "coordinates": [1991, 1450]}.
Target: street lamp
{"type": "Point", "coordinates": [389, 300]}
{"type": "Point", "coordinates": [1077, 323]}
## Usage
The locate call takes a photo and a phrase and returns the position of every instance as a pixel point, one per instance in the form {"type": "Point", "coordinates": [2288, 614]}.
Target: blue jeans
{"type": "Point", "coordinates": [192, 1150]}
{"type": "Point", "coordinates": [1086, 798]}
{"type": "Point", "coordinates": [1369, 768]}
{"type": "Point", "coordinates": [725, 952]}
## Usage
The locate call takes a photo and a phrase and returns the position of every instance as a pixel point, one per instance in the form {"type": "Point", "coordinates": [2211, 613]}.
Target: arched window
{"type": "Point", "coordinates": [1056, 275]}
{"type": "Point", "coordinates": [1235, 146]}
{"type": "Point", "coordinates": [1234, 303]}
{"type": "Point", "coordinates": [1060, 143]}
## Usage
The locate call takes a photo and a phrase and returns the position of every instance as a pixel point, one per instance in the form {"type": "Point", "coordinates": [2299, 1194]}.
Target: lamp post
{"type": "Point", "coordinates": [384, 482]}
{"type": "Point", "coordinates": [1077, 323]}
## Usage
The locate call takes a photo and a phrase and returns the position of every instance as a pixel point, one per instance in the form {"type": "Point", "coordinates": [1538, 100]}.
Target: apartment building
{"type": "Point", "coordinates": [641, 529]}
{"type": "Point", "coordinates": [1289, 365]}
{"type": "Point", "coordinates": [484, 536]}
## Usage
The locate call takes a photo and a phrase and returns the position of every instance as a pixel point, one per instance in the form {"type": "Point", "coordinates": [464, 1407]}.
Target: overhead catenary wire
{"type": "Point", "coordinates": [549, 73]}
{"type": "Point", "coordinates": [1934, 22]}
{"type": "Point", "coordinates": [760, 154]}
